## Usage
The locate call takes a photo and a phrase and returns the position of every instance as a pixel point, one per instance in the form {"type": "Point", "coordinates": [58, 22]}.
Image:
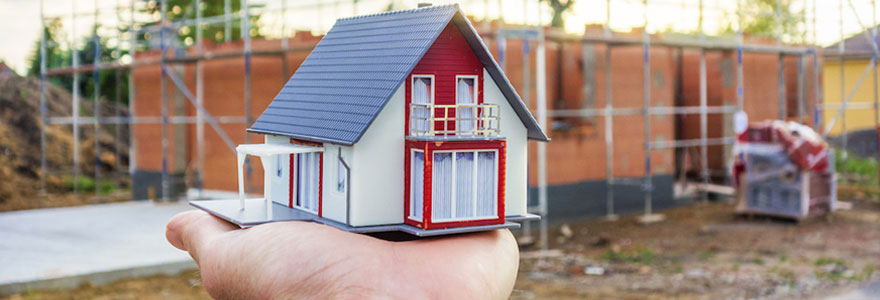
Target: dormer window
{"type": "Point", "coordinates": [422, 94]}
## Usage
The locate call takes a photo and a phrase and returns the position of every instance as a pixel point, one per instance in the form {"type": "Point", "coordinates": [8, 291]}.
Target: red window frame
{"type": "Point", "coordinates": [429, 147]}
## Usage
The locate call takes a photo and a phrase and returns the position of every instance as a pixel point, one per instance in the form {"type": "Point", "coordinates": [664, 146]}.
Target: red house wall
{"type": "Point", "coordinates": [449, 56]}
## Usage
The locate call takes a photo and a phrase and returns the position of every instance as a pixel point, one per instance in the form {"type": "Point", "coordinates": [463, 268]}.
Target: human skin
{"type": "Point", "coordinates": [304, 260]}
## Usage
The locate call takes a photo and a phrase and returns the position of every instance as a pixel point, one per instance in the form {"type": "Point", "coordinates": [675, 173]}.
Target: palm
{"type": "Point", "coordinates": [307, 260]}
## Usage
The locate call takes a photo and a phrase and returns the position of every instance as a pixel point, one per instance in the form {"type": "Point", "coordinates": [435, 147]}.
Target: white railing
{"type": "Point", "coordinates": [454, 119]}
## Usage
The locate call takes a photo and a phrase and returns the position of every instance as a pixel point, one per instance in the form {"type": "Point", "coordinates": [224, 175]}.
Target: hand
{"type": "Point", "coordinates": [289, 260]}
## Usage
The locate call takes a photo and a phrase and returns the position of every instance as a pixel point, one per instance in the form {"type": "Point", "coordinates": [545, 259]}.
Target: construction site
{"type": "Point", "coordinates": [641, 190]}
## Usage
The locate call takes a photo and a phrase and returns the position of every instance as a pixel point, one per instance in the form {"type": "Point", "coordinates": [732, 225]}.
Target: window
{"type": "Point", "coordinates": [465, 185]}
{"type": "Point", "coordinates": [422, 93]}
{"type": "Point", "coordinates": [307, 181]}
{"type": "Point", "coordinates": [466, 98]}
{"type": "Point", "coordinates": [417, 185]}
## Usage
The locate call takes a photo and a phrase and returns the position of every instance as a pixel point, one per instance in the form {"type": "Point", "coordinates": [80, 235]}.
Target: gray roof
{"type": "Point", "coordinates": [354, 70]}
{"type": "Point", "coordinates": [855, 46]}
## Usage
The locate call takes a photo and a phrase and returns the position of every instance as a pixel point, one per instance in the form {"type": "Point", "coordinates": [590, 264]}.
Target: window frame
{"type": "Point", "coordinates": [412, 94]}
{"type": "Point", "coordinates": [412, 186]}
{"type": "Point", "coordinates": [474, 187]}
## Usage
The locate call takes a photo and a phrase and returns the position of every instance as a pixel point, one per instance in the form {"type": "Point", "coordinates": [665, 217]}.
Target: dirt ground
{"type": "Point", "coordinates": [701, 251]}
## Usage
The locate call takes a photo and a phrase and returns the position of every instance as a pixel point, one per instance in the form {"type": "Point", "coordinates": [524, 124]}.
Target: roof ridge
{"type": "Point", "coordinates": [399, 12]}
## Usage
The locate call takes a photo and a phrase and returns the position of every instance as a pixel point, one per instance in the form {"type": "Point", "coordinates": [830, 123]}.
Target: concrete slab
{"type": "Point", "coordinates": [65, 247]}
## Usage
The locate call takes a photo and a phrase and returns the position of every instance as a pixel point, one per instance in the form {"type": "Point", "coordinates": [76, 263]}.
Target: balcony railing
{"type": "Point", "coordinates": [454, 120]}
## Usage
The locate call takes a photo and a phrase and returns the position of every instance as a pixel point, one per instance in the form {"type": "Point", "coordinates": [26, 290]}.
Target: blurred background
{"type": "Point", "coordinates": [638, 188]}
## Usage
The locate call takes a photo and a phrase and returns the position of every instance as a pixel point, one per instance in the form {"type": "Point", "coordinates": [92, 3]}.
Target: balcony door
{"type": "Point", "coordinates": [466, 101]}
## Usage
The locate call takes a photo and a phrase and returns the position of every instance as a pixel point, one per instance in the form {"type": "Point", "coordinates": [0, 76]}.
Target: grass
{"type": "Point", "coordinates": [865, 169]}
{"type": "Point", "coordinates": [643, 256]}
{"type": "Point", "coordinates": [707, 254]}
{"type": "Point", "coordinates": [87, 184]}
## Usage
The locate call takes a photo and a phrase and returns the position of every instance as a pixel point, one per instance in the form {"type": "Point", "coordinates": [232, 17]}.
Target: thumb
{"type": "Point", "coordinates": [190, 230]}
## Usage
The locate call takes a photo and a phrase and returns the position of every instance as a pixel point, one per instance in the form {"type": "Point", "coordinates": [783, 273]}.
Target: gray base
{"type": "Point", "coordinates": [255, 214]}
{"type": "Point", "coordinates": [523, 218]}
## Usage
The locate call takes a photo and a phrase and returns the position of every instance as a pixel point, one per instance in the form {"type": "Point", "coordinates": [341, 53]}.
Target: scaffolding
{"type": "Point", "coordinates": [531, 31]}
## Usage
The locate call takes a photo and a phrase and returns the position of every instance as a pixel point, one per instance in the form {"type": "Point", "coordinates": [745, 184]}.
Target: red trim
{"type": "Point", "coordinates": [321, 185]}
{"type": "Point", "coordinates": [448, 57]}
{"type": "Point", "coordinates": [290, 173]}
{"type": "Point", "coordinates": [429, 148]}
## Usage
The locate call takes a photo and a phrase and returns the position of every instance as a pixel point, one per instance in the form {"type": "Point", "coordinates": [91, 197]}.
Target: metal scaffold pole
{"type": "Point", "coordinates": [609, 121]}
{"type": "Point", "coordinates": [132, 48]}
{"type": "Point", "coordinates": [227, 20]}
{"type": "Point", "coordinates": [780, 70]}
{"type": "Point", "coordinates": [43, 168]}
{"type": "Point", "coordinates": [200, 91]}
{"type": "Point", "coordinates": [647, 186]}
{"type": "Point", "coordinates": [166, 185]}
{"type": "Point", "coordinates": [246, 38]}
{"type": "Point", "coordinates": [118, 93]}
{"type": "Point", "coordinates": [840, 50]}
{"type": "Point", "coordinates": [874, 38]}
{"type": "Point", "coordinates": [75, 112]}
{"type": "Point", "coordinates": [740, 96]}
{"type": "Point", "coordinates": [541, 89]}
{"type": "Point", "coordinates": [96, 82]}
{"type": "Point", "coordinates": [704, 96]}
{"type": "Point", "coordinates": [817, 96]}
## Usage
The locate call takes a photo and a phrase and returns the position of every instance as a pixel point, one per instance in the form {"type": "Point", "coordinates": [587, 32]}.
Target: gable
{"type": "Point", "coordinates": [348, 78]}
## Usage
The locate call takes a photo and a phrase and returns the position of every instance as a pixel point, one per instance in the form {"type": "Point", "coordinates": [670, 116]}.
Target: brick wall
{"type": "Point", "coordinates": [577, 152]}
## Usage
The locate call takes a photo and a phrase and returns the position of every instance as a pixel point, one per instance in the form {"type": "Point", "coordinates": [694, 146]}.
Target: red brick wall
{"type": "Point", "coordinates": [577, 152]}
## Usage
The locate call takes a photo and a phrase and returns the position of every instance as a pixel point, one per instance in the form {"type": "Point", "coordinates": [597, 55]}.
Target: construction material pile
{"type": "Point", "coordinates": [20, 150]}
{"type": "Point", "coordinates": [783, 169]}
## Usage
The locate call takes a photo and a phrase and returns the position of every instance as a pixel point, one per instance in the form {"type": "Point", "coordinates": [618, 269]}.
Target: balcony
{"type": "Point", "coordinates": [454, 120]}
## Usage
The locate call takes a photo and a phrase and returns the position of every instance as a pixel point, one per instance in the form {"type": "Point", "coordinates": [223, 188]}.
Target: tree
{"type": "Point", "coordinates": [559, 8]}
{"type": "Point", "coordinates": [759, 18]}
{"type": "Point", "coordinates": [58, 58]}
{"type": "Point", "coordinates": [185, 9]}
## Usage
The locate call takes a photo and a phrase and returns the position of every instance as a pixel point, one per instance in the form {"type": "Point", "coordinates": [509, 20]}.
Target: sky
{"type": "Point", "coordinates": [20, 19]}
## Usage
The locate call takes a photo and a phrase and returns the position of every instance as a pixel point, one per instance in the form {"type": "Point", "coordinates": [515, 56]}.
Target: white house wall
{"type": "Point", "coordinates": [516, 187]}
{"type": "Point", "coordinates": [333, 202]}
{"type": "Point", "coordinates": [280, 184]}
{"type": "Point", "coordinates": [377, 168]}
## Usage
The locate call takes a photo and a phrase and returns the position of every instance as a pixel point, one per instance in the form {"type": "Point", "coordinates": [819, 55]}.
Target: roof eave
{"type": "Point", "coordinates": [303, 137]}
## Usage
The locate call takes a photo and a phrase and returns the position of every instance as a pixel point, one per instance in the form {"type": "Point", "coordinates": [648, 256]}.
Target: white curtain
{"type": "Point", "coordinates": [418, 182]}
{"type": "Point", "coordinates": [486, 187]}
{"type": "Point", "coordinates": [422, 94]}
{"type": "Point", "coordinates": [464, 185]}
{"type": "Point", "coordinates": [307, 179]}
{"type": "Point", "coordinates": [441, 198]}
{"type": "Point", "coordinates": [465, 96]}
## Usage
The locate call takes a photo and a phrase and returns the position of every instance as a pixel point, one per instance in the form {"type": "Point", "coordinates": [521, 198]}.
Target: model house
{"type": "Point", "coordinates": [396, 121]}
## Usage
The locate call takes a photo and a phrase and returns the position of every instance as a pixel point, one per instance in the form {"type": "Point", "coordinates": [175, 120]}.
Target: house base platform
{"type": "Point", "coordinates": [254, 213]}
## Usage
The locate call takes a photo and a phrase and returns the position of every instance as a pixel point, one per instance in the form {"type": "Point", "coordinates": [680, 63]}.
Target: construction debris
{"type": "Point", "coordinates": [783, 169]}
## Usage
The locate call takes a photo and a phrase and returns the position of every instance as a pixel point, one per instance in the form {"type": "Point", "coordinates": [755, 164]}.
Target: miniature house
{"type": "Point", "coordinates": [396, 121]}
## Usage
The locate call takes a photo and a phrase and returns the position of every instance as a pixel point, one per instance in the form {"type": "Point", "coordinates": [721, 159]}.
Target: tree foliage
{"type": "Point", "coordinates": [759, 18]}
{"type": "Point", "coordinates": [559, 8]}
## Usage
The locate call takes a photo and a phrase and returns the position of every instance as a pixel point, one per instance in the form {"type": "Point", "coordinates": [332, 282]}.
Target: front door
{"type": "Point", "coordinates": [305, 181]}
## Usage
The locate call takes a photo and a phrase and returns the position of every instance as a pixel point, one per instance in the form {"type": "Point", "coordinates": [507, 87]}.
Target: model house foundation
{"type": "Point", "coordinates": [395, 121]}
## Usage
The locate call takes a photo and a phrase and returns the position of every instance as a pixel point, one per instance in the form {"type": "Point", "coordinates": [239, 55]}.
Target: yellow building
{"type": "Point", "coordinates": [856, 58]}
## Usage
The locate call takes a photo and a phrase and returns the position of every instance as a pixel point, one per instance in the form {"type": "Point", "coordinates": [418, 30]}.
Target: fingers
{"type": "Point", "coordinates": [190, 230]}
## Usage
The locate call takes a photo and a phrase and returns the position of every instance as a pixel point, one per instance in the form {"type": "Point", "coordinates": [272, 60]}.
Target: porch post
{"type": "Point", "coordinates": [241, 158]}
{"type": "Point", "coordinates": [268, 162]}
